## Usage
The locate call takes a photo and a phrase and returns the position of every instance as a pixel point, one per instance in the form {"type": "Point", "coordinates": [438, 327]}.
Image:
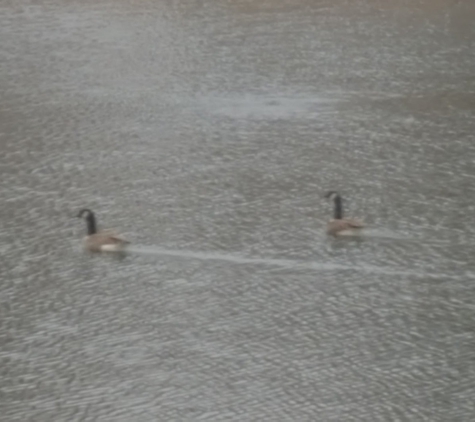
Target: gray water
{"type": "Point", "coordinates": [208, 132]}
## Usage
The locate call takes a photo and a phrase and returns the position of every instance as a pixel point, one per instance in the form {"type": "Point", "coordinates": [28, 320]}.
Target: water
{"type": "Point", "coordinates": [208, 133]}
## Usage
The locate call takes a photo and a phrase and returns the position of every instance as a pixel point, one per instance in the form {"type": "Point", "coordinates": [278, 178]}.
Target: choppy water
{"type": "Point", "coordinates": [208, 133]}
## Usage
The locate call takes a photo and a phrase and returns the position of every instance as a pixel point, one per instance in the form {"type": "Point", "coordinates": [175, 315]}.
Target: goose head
{"type": "Point", "coordinates": [336, 198]}
{"type": "Point", "coordinates": [332, 195]}
{"type": "Point", "coordinates": [85, 213]}
{"type": "Point", "coordinates": [88, 215]}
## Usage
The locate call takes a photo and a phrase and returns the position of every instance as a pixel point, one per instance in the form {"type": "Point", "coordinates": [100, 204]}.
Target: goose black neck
{"type": "Point", "coordinates": [91, 224]}
{"type": "Point", "coordinates": [338, 212]}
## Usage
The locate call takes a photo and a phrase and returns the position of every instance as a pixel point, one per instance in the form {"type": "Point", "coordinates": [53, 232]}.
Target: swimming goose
{"type": "Point", "coordinates": [341, 226]}
{"type": "Point", "coordinates": [102, 241]}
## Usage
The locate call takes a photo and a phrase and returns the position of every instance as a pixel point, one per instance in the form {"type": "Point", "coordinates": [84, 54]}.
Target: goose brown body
{"type": "Point", "coordinates": [103, 240]}
{"type": "Point", "coordinates": [340, 226]}
{"type": "Point", "coordinates": [344, 226]}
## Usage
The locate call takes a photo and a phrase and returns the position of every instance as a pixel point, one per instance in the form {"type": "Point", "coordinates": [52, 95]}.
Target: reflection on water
{"type": "Point", "coordinates": [212, 130]}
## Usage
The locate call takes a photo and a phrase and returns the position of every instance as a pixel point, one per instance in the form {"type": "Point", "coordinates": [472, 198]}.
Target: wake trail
{"type": "Point", "coordinates": [288, 263]}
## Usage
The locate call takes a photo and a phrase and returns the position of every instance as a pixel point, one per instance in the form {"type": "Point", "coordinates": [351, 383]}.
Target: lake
{"type": "Point", "coordinates": [208, 133]}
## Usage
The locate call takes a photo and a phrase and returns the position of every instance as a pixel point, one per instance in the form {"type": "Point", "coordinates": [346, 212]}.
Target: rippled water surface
{"type": "Point", "coordinates": [208, 132]}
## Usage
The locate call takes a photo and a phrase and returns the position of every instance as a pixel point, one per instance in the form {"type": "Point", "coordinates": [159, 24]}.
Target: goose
{"type": "Point", "coordinates": [341, 226]}
{"type": "Point", "coordinates": [102, 241]}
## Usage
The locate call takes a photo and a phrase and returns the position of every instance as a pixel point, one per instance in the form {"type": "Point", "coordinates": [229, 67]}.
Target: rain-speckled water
{"type": "Point", "coordinates": [208, 133]}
